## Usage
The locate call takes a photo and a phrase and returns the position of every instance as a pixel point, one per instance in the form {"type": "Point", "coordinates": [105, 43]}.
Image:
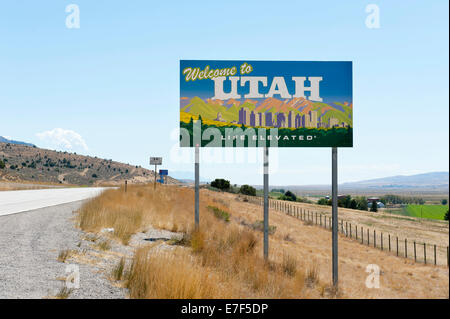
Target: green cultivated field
{"type": "Point", "coordinates": [423, 211]}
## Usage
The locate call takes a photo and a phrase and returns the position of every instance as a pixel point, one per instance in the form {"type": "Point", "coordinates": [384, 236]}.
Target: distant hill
{"type": "Point", "coordinates": [30, 163]}
{"type": "Point", "coordinates": [432, 183]}
{"type": "Point", "coordinates": [433, 180]}
{"type": "Point", "coordinates": [5, 140]}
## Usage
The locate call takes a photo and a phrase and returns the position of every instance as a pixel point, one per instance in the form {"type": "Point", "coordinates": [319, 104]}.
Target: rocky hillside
{"type": "Point", "coordinates": [26, 163]}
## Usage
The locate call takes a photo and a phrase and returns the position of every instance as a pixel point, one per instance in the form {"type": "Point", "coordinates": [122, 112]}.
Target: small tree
{"type": "Point", "coordinates": [2, 164]}
{"type": "Point", "coordinates": [221, 184]}
{"type": "Point", "coordinates": [374, 206]}
{"type": "Point", "coordinates": [362, 203]}
{"type": "Point", "coordinates": [247, 190]}
{"type": "Point", "coordinates": [289, 196]}
{"type": "Point", "coordinates": [444, 201]}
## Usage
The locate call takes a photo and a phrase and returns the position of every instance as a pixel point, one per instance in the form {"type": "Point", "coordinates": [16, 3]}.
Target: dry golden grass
{"type": "Point", "coordinates": [230, 253]}
{"type": "Point", "coordinates": [225, 251]}
{"type": "Point", "coordinates": [63, 293]}
{"type": "Point", "coordinates": [170, 276]}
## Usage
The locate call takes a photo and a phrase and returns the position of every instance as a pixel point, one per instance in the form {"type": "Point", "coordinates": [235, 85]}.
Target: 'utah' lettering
{"type": "Point", "coordinates": [277, 87]}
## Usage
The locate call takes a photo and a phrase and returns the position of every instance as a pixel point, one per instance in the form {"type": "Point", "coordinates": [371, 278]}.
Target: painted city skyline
{"type": "Point", "coordinates": [271, 112]}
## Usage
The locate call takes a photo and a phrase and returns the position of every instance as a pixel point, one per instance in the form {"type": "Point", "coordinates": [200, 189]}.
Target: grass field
{"type": "Point", "coordinates": [423, 211]}
{"type": "Point", "coordinates": [224, 258]}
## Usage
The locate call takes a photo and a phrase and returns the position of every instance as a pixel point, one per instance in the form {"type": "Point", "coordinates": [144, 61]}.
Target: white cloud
{"type": "Point", "coordinates": [63, 139]}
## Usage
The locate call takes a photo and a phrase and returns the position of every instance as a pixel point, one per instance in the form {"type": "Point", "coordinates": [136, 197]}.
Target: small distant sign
{"type": "Point", "coordinates": [155, 160]}
{"type": "Point", "coordinates": [163, 172]}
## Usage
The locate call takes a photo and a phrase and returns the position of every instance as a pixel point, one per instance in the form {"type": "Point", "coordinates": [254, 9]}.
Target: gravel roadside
{"type": "Point", "coordinates": [30, 243]}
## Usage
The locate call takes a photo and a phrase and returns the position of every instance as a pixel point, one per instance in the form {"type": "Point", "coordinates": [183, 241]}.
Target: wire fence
{"type": "Point", "coordinates": [402, 247]}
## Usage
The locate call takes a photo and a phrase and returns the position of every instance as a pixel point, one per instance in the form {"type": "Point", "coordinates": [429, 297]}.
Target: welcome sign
{"type": "Point", "coordinates": [266, 103]}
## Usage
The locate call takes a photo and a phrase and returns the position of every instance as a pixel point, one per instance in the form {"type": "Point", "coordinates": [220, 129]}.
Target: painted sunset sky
{"type": "Point", "coordinates": [336, 85]}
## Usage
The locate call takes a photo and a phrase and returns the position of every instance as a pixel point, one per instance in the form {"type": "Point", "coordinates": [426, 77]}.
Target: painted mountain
{"type": "Point", "coordinates": [228, 110]}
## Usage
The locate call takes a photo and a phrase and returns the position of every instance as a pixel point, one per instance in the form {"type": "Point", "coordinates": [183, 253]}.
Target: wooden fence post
{"type": "Point", "coordinates": [389, 242]}
{"type": "Point", "coordinates": [362, 235]}
{"type": "Point", "coordinates": [406, 248]}
{"type": "Point", "coordinates": [415, 258]}
{"type": "Point", "coordinates": [435, 254]}
{"type": "Point", "coordinates": [382, 241]}
{"type": "Point", "coordinates": [397, 246]}
{"type": "Point", "coordinates": [425, 253]}
{"type": "Point", "coordinates": [356, 231]}
{"type": "Point", "coordinates": [374, 239]}
{"type": "Point", "coordinates": [351, 230]}
{"type": "Point", "coordinates": [368, 238]}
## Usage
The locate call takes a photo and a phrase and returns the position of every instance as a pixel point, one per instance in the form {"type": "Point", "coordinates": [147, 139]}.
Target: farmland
{"type": "Point", "coordinates": [422, 211]}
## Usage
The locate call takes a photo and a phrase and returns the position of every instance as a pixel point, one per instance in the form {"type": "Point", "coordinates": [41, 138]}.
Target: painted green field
{"type": "Point", "coordinates": [423, 211]}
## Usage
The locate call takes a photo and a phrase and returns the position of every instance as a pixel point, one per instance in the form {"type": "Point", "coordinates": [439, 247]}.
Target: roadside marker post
{"type": "Point", "coordinates": [155, 161]}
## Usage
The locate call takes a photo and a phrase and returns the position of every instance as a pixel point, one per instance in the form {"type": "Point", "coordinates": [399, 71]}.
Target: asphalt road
{"type": "Point", "coordinates": [12, 202]}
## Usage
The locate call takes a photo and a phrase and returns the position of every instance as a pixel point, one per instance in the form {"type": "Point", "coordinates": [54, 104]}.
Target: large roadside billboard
{"type": "Point", "coordinates": [266, 103]}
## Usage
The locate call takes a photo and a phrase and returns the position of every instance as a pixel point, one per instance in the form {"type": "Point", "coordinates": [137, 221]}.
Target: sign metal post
{"type": "Point", "coordinates": [197, 186]}
{"type": "Point", "coordinates": [266, 202]}
{"type": "Point", "coordinates": [334, 194]}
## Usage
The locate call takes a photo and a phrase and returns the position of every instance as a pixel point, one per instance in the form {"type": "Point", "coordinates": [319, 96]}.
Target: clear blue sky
{"type": "Point", "coordinates": [115, 80]}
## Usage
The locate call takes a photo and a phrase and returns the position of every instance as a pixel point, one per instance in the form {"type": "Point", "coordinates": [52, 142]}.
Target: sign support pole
{"type": "Point", "coordinates": [334, 194]}
{"type": "Point", "coordinates": [154, 184]}
{"type": "Point", "coordinates": [266, 203]}
{"type": "Point", "coordinates": [197, 186]}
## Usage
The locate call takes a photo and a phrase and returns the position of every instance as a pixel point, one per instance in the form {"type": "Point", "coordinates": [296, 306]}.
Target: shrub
{"type": "Point", "coordinates": [374, 206]}
{"type": "Point", "coordinates": [247, 190]}
{"type": "Point", "coordinates": [259, 225]}
{"type": "Point", "coordinates": [119, 270]}
{"type": "Point", "coordinates": [221, 184]}
{"type": "Point", "coordinates": [289, 196]}
{"type": "Point", "coordinates": [2, 164]}
{"type": "Point", "coordinates": [289, 265]}
{"type": "Point", "coordinates": [219, 213]}
{"type": "Point", "coordinates": [443, 202]}
{"type": "Point", "coordinates": [446, 215]}
{"type": "Point", "coordinates": [94, 175]}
